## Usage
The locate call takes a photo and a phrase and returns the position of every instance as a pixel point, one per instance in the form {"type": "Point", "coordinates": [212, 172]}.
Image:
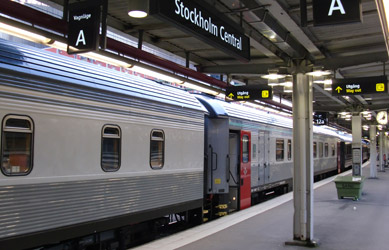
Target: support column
{"type": "Point", "coordinates": [357, 144]}
{"type": "Point", "coordinates": [373, 152]}
{"type": "Point", "coordinates": [303, 161]}
{"type": "Point", "coordinates": [386, 147]}
{"type": "Point", "coordinates": [381, 142]}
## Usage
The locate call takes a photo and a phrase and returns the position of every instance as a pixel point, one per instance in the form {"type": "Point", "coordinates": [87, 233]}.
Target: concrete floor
{"type": "Point", "coordinates": [338, 224]}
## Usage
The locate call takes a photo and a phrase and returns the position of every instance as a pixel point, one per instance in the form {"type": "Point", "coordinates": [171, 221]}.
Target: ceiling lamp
{"type": "Point", "coordinates": [318, 71]}
{"type": "Point", "coordinates": [273, 82]}
{"type": "Point", "coordinates": [328, 84]}
{"type": "Point", "coordinates": [288, 84]}
{"type": "Point", "coordinates": [273, 75]}
{"type": "Point", "coordinates": [138, 8]}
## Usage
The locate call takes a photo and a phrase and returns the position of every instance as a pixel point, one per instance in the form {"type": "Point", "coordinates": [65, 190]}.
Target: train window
{"type": "Point", "coordinates": [289, 150]}
{"type": "Point", "coordinates": [111, 148]}
{"type": "Point", "coordinates": [320, 150]}
{"type": "Point", "coordinates": [16, 145]}
{"type": "Point", "coordinates": [279, 149]}
{"type": "Point", "coordinates": [333, 149]}
{"type": "Point", "coordinates": [314, 149]}
{"type": "Point", "coordinates": [157, 149]}
{"type": "Point", "coordinates": [326, 149]}
{"type": "Point", "coordinates": [245, 149]}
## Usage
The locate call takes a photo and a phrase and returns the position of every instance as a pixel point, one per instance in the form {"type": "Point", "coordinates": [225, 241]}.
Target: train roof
{"type": "Point", "coordinates": [63, 75]}
{"type": "Point", "coordinates": [219, 108]}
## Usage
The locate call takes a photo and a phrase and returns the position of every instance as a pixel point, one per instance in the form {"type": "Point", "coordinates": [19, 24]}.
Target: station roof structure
{"type": "Point", "coordinates": [279, 35]}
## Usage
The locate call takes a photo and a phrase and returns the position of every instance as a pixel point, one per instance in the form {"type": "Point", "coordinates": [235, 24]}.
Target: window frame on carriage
{"type": "Point", "coordinates": [157, 145]}
{"type": "Point", "coordinates": [17, 130]}
{"type": "Point", "coordinates": [111, 133]}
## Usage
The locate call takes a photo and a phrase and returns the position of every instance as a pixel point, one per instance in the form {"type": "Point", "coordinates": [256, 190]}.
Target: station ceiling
{"type": "Point", "coordinates": [348, 50]}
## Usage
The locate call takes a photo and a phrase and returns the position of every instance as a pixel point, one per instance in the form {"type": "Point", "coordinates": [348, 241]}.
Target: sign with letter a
{"type": "Point", "coordinates": [84, 25]}
{"type": "Point", "coordinates": [330, 12]}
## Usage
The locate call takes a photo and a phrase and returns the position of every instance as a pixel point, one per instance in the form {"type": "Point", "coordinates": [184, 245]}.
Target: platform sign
{"type": "Point", "coordinates": [249, 93]}
{"type": "Point", "coordinates": [320, 118]}
{"type": "Point", "coordinates": [204, 22]}
{"type": "Point", "coordinates": [360, 86]}
{"type": "Point", "coordinates": [330, 12]}
{"type": "Point", "coordinates": [84, 27]}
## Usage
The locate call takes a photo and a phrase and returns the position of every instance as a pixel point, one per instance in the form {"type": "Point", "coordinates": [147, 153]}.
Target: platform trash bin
{"type": "Point", "coordinates": [349, 186]}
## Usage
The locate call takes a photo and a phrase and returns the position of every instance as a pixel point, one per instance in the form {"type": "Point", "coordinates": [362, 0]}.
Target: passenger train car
{"type": "Point", "coordinates": [249, 155]}
{"type": "Point", "coordinates": [91, 155]}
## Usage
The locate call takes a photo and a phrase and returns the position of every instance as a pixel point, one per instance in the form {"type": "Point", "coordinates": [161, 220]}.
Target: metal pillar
{"type": "Point", "coordinates": [373, 152]}
{"type": "Point", "coordinates": [303, 161]}
{"type": "Point", "coordinates": [381, 142]}
{"type": "Point", "coordinates": [386, 147]}
{"type": "Point", "coordinates": [357, 144]}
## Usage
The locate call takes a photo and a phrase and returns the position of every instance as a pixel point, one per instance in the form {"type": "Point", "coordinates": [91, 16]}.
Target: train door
{"type": "Point", "coordinates": [264, 167]}
{"type": "Point", "coordinates": [338, 157]}
{"type": "Point", "coordinates": [234, 171]}
{"type": "Point", "coordinates": [245, 169]}
{"type": "Point", "coordinates": [240, 170]}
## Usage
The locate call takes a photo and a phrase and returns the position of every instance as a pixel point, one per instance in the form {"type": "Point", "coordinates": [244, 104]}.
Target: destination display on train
{"type": "Point", "coordinates": [248, 93]}
{"type": "Point", "coordinates": [360, 86]}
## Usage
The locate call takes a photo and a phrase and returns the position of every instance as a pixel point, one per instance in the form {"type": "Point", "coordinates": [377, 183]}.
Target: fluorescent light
{"type": "Point", "coordinates": [11, 30]}
{"type": "Point", "coordinates": [155, 74]}
{"type": "Point", "coordinates": [199, 88]}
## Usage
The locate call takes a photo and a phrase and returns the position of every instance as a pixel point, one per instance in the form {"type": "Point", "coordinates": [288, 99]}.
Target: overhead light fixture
{"type": "Point", "coordinates": [138, 8]}
{"type": "Point", "coordinates": [273, 82]}
{"type": "Point", "coordinates": [328, 84]}
{"type": "Point", "coordinates": [273, 75]}
{"type": "Point", "coordinates": [288, 84]}
{"type": "Point", "coordinates": [318, 71]}
{"type": "Point", "coordinates": [22, 33]}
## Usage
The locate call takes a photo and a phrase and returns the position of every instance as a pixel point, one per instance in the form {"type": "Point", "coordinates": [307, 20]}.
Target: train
{"type": "Point", "coordinates": [95, 157]}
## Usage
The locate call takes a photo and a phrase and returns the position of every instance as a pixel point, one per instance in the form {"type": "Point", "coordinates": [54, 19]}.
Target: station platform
{"type": "Point", "coordinates": [342, 224]}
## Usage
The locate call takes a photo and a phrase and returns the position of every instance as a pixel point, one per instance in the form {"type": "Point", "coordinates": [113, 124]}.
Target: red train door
{"type": "Point", "coordinates": [245, 169]}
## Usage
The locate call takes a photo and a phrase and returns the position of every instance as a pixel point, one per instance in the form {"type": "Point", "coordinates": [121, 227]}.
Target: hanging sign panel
{"type": "Point", "coordinates": [249, 93]}
{"type": "Point", "coordinates": [84, 25]}
{"type": "Point", "coordinates": [320, 118]}
{"type": "Point", "coordinates": [330, 12]}
{"type": "Point", "coordinates": [360, 86]}
{"type": "Point", "coordinates": [198, 19]}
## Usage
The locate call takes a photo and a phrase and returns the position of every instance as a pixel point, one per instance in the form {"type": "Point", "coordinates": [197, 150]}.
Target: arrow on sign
{"type": "Point", "coordinates": [231, 95]}
{"type": "Point", "coordinates": [338, 89]}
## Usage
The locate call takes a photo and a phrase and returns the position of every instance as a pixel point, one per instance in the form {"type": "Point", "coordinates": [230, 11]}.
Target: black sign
{"type": "Point", "coordinates": [320, 118]}
{"type": "Point", "coordinates": [329, 12]}
{"type": "Point", "coordinates": [248, 93]}
{"type": "Point", "coordinates": [84, 25]}
{"type": "Point", "coordinates": [360, 86]}
{"type": "Point", "coordinates": [197, 18]}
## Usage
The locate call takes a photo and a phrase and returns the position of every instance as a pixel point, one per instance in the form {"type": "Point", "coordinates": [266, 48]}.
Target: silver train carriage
{"type": "Point", "coordinates": [249, 155]}
{"type": "Point", "coordinates": [86, 149]}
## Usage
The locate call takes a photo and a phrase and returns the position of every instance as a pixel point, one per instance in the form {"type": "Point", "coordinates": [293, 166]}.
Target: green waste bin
{"type": "Point", "coordinates": [349, 186]}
